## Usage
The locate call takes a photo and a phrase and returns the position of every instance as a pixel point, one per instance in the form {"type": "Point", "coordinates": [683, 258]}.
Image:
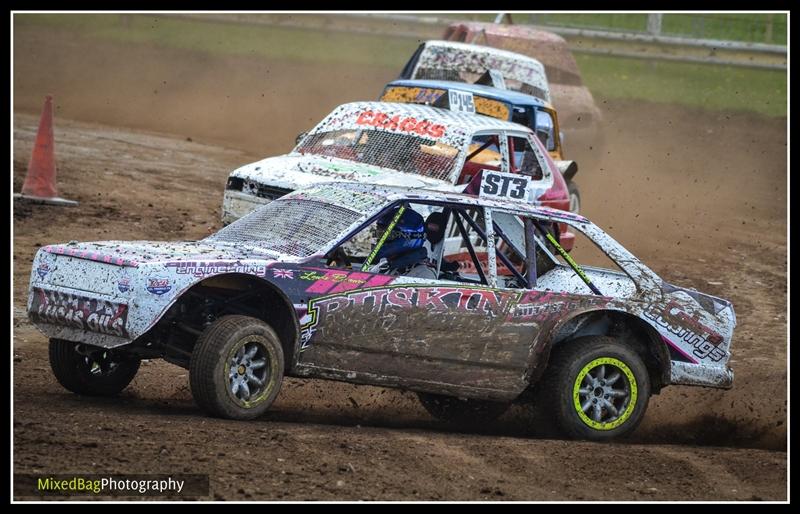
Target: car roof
{"type": "Point", "coordinates": [493, 93]}
{"type": "Point", "coordinates": [519, 31]}
{"type": "Point", "coordinates": [395, 193]}
{"type": "Point", "coordinates": [471, 47]}
{"type": "Point", "coordinates": [547, 47]}
{"type": "Point", "coordinates": [463, 124]}
{"type": "Point", "coordinates": [510, 64]}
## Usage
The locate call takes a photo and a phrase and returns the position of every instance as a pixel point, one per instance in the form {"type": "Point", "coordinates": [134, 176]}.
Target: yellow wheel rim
{"type": "Point", "coordinates": [604, 393]}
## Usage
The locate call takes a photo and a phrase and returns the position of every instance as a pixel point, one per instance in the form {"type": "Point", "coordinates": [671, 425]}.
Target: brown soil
{"type": "Point", "coordinates": [698, 196]}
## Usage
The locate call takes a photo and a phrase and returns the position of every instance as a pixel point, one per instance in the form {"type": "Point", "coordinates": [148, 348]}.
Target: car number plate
{"type": "Point", "coordinates": [507, 186]}
{"type": "Point", "coordinates": [461, 101]}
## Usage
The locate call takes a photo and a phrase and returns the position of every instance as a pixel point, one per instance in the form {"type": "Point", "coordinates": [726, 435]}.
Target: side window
{"type": "Point", "coordinates": [521, 116]}
{"type": "Point", "coordinates": [520, 250]}
{"type": "Point", "coordinates": [483, 153]}
{"type": "Point", "coordinates": [394, 243]}
{"type": "Point", "coordinates": [525, 158]}
{"type": "Point", "coordinates": [464, 258]}
{"type": "Point", "coordinates": [409, 67]}
{"type": "Point", "coordinates": [485, 150]}
{"type": "Point", "coordinates": [545, 129]}
{"type": "Point", "coordinates": [604, 276]}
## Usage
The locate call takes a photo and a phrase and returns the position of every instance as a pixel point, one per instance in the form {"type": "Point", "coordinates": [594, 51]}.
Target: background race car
{"type": "Point", "coordinates": [495, 102]}
{"type": "Point", "coordinates": [580, 115]}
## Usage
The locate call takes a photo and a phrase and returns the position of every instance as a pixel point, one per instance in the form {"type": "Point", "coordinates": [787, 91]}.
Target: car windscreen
{"type": "Point", "coordinates": [403, 152]}
{"type": "Point", "coordinates": [291, 225]}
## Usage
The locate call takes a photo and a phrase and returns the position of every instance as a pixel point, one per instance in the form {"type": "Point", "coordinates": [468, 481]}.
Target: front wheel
{"type": "Point", "coordinates": [236, 368]}
{"type": "Point", "coordinates": [596, 387]}
{"type": "Point", "coordinates": [463, 411]}
{"type": "Point", "coordinates": [574, 197]}
{"type": "Point", "coordinates": [90, 370]}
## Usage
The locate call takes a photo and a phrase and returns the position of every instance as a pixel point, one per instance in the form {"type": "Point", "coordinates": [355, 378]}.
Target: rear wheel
{"type": "Point", "coordinates": [236, 368]}
{"type": "Point", "coordinates": [596, 387]}
{"type": "Point", "coordinates": [90, 370]}
{"type": "Point", "coordinates": [464, 411]}
{"type": "Point", "coordinates": [574, 198]}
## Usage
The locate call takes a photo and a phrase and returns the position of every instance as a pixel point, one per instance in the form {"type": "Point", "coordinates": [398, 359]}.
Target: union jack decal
{"type": "Point", "coordinates": [283, 273]}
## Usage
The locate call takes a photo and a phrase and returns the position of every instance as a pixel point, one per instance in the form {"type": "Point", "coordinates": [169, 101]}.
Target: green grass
{"type": "Point", "coordinates": [696, 85]}
{"type": "Point", "coordinates": [234, 38]}
{"type": "Point", "coordinates": [752, 28]}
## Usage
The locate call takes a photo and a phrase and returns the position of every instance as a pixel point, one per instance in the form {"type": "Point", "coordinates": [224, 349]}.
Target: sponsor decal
{"type": "Point", "coordinates": [158, 286]}
{"type": "Point", "coordinates": [405, 94]}
{"type": "Point", "coordinates": [43, 270]}
{"type": "Point", "coordinates": [401, 124]}
{"type": "Point", "coordinates": [428, 96]}
{"type": "Point", "coordinates": [327, 281]}
{"type": "Point", "coordinates": [79, 312]}
{"type": "Point", "coordinates": [404, 309]}
{"type": "Point", "coordinates": [201, 269]}
{"type": "Point", "coordinates": [283, 273]}
{"type": "Point", "coordinates": [688, 330]}
{"type": "Point", "coordinates": [124, 284]}
{"type": "Point", "coordinates": [543, 306]}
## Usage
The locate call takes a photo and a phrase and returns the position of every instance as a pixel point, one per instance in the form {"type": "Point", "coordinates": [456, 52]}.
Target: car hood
{"type": "Point", "coordinates": [713, 305]}
{"type": "Point", "coordinates": [295, 171]}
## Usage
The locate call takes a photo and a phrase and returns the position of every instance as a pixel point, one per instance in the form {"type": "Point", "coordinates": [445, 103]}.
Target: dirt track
{"type": "Point", "coordinates": [700, 197]}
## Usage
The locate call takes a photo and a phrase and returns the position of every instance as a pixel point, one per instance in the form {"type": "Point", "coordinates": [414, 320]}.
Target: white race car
{"type": "Point", "coordinates": [284, 292]}
{"type": "Point", "coordinates": [402, 145]}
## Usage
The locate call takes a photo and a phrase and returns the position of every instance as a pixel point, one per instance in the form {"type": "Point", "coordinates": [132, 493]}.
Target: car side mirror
{"type": "Point", "coordinates": [567, 168]}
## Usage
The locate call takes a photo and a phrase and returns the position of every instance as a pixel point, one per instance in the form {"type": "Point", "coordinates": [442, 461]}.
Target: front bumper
{"type": "Point", "coordinates": [80, 316]}
{"type": "Point", "coordinates": [684, 373]}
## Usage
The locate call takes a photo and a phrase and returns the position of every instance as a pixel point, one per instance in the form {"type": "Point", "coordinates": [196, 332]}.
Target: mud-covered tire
{"type": "Point", "coordinates": [574, 197]}
{"type": "Point", "coordinates": [577, 375]}
{"type": "Point", "coordinates": [462, 411]}
{"type": "Point", "coordinates": [92, 371]}
{"type": "Point", "coordinates": [222, 369]}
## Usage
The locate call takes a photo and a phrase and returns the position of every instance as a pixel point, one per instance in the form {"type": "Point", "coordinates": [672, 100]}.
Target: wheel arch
{"type": "Point", "coordinates": [620, 324]}
{"type": "Point", "coordinates": [275, 308]}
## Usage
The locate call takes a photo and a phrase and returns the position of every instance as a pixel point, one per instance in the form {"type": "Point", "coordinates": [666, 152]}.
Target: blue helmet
{"type": "Point", "coordinates": [408, 234]}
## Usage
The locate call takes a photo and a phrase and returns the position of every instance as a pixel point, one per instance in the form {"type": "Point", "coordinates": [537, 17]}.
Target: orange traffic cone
{"type": "Point", "coordinates": [40, 181]}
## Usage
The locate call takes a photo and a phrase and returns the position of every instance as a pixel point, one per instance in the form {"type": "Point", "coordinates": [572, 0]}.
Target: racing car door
{"type": "Point", "coordinates": [528, 158]}
{"type": "Point", "coordinates": [445, 335]}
